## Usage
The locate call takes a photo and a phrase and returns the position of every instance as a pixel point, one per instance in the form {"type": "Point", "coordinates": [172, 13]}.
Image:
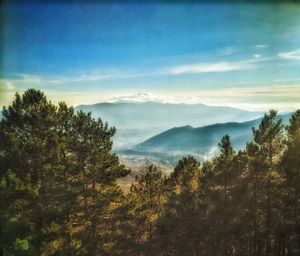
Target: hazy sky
{"type": "Point", "coordinates": [221, 54]}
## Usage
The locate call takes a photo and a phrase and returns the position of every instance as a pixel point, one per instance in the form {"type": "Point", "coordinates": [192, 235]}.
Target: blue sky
{"type": "Point", "coordinates": [243, 55]}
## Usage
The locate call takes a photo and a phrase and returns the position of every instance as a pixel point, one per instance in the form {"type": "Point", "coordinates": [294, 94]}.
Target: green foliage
{"type": "Point", "coordinates": [59, 195]}
{"type": "Point", "coordinates": [21, 245]}
{"type": "Point", "coordinates": [58, 178]}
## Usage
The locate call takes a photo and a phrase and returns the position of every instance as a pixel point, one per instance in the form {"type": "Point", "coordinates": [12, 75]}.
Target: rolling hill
{"type": "Point", "coordinates": [137, 121]}
{"type": "Point", "coordinates": [201, 140]}
{"type": "Point", "coordinates": [154, 114]}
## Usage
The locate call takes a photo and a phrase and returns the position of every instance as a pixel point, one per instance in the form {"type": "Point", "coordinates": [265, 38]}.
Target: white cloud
{"type": "Point", "coordinates": [256, 55]}
{"type": "Point", "coordinates": [162, 98]}
{"type": "Point", "coordinates": [96, 76]}
{"type": "Point", "coordinates": [279, 80]}
{"type": "Point", "coordinates": [281, 97]}
{"type": "Point", "coordinates": [85, 77]}
{"type": "Point", "coordinates": [293, 55]}
{"type": "Point", "coordinates": [214, 67]}
{"type": "Point", "coordinates": [29, 78]}
{"type": "Point", "coordinates": [227, 51]}
{"type": "Point", "coordinates": [262, 46]}
{"type": "Point", "coordinates": [140, 97]}
{"type": "Point", "coordinates": [7, 85]}
{"type": "Point", "coordinates": [111, 74]}
{"type": "Point", "coordinates": [262, 98]}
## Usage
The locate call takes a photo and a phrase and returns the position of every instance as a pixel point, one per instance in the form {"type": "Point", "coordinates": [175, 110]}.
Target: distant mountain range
{"type": "Point", "coordinates": [155, 114]}
{"type": "Point", "coordinates": [158, 132]}
{"type": "Point", "coordinates": [137, 121]}
{"type": "Point", "coordinates": [201, 140]}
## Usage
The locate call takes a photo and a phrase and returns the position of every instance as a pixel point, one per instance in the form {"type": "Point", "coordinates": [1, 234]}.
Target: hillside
{"type": "Point", "coordinates": [201, 140]}
{"type": "Point", "coordinates": [155, 114]}
{"type": "Point", "coordinates": [137, 121]}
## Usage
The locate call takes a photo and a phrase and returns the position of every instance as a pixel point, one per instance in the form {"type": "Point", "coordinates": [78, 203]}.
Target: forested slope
{"type": "Point", "coordinates": [59, 192]}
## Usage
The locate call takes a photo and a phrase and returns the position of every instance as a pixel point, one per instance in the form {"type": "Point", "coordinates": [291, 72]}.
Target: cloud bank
{"type": "Point", "coordinates": [292, 55]}
{"type": "Point", "coordinates": [215, 67]}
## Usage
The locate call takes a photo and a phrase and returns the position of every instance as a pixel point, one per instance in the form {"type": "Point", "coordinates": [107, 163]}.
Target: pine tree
{"type": "Point", "coordinates": [179, 228]}
{"type": "Point", "coordinates": [147, 197]}
{"type": "Point", "coordinates": [223, 177]}
{"type": "Point", "coordinates": [252, 188]}
{"type": "Point", "coordinates": [290, 165]}
{"type": "Point", "coordinates": [59, 192]}
{"type": "Point", "coordinates": [269, 140]}
{"type": "Point", "coordinates": [58, 179]}
{"type": "Point", "coordinates": [27, 154]}
{"type": "Point", "coordinates": [98, 170]}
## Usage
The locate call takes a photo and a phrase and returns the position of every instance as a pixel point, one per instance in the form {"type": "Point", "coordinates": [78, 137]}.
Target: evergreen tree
{"type": "Point", "coordinates": [98, 170]}
{"type": "Point", "coordinates": [27, 137]}
{"type": "Point", "coordinates": [179, 229]}
{"type": "Point", "coordinates": [147, 197]}
{"type": "Point", "coordinates": [222, 178]}
{"type": "Point", "coordinates": [252, 188]}
{"type": "Point", "coordinates": [290, 232]}
{"type": "Point", "coordinates": [269, 139]}
{"type": "Point", "coordinates": [59, 192]}
{"type": "Point", "coordinates": [58, 179]}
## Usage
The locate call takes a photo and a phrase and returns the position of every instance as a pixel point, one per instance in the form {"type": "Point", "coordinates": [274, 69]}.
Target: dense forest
{"type": "Point", "coordinates": [59, 191]}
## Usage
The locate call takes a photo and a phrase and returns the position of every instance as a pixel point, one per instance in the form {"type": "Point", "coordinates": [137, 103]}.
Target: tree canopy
{"type": "Point", "coordinates": [59, 193]}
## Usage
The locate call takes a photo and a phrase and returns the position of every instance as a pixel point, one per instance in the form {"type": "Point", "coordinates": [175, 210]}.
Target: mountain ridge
{"type": "Point", "coordinates": [164, 115]}
{"type": "Point", "coordinates": [202, 139]}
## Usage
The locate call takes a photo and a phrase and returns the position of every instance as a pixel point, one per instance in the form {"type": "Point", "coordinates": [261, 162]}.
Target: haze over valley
{"type": "Point", "coordinates": [162, 133]}
{"type": "Point", "coordinates": [135, 122]}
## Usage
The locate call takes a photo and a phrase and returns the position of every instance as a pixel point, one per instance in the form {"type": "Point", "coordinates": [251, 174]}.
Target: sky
{"type": "Point", "coordinates": [243, 55]}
